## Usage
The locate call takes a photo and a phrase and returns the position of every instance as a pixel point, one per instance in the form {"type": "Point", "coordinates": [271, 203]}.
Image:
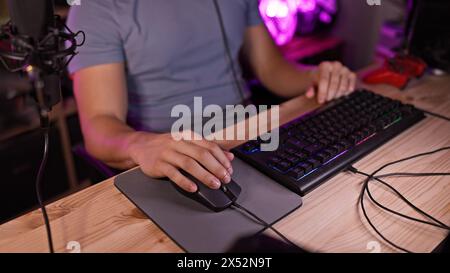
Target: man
{"type": "Point", "coordinates": [141, 58]}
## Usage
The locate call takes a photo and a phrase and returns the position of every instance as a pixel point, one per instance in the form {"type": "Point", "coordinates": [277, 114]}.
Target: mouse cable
{"type": "Point", "coordinates": [372, 176]}
{"type": "Point", "coordinates": [435, 115]}
{"type": "Point", "coordinates": [228, 50]}
{"type": "Point", "coordinates": [265, 224]}
{"type": "Point", "coordinates": [38, 186]}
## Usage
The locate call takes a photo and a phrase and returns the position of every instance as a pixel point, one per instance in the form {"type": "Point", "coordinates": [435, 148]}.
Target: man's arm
{"type": "Point", "coordinates": [101, 96]}
{"type": "Point", "coordinates": [285, 79]}
{"type": "Point", "coordinates": [102, 101]}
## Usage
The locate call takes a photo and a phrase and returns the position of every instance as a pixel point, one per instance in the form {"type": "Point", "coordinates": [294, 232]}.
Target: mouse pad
{"type": "Point", "coordinates": [197, 229]}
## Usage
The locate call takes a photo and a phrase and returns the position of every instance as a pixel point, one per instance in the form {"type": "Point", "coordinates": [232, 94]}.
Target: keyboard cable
{"type": "Point", "coordinates": [365, 189]}
{"type": "Point", "coordinates": [435, 115]}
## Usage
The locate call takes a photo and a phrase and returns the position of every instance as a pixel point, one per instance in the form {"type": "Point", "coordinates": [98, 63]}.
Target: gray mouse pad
{"type": "Point", "coordinates": [197, 229]}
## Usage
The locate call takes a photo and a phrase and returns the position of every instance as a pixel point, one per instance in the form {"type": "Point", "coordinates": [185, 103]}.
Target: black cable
{"type": "Point", "coordinates": [441, 224]}
{"type": "Point", "coordinates": [412, 174]}
{"type": "Point", "coordinates": [38, 190]}
{"type": "Point", "coordinates": [372, 176]}
{"type": "Point", "coordinates": [403, 198]}
{"type": "Point", "coordinates": [435, 115]}
{"type": "Point", "coordinates": [228, 50]}
{"type": "Point", "coordinates": [265, 224]}
{"type": "Point", "coordinates": [361, 201]}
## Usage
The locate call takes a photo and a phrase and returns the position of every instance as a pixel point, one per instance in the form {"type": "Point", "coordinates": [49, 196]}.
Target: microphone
{"type": "Point", "coordinates": [37, 41]}
{"type": "Point", "coordinates": [32, 20]}
{"type": "Point", "coordinates": [31, 17]}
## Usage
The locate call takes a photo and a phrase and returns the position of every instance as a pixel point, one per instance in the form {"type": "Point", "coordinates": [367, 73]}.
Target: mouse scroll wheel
{"type": "Point", "coordinates": [228, 192]}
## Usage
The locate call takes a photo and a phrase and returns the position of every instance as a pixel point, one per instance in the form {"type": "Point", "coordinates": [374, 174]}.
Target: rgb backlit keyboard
{"type": "Point", "coordinates": [320, 144]}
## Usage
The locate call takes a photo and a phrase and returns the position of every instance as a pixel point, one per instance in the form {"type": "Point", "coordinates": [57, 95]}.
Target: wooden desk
{"type": "Point", "coordinates": [101, 219]}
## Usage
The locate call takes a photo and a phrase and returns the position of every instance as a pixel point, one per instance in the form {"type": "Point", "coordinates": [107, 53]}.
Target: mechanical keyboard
{"type": "Point", "coordinates": [320, 144]}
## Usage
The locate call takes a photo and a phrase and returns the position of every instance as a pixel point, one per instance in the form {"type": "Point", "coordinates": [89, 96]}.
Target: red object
{"type": "Point", "coordinates": [413, 66]}
{"type": "Point", "coordinates": [397, 71]}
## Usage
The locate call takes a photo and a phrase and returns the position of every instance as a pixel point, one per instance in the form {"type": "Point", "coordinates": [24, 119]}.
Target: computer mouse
{"type": "Point", "coordinates": [215, 200]}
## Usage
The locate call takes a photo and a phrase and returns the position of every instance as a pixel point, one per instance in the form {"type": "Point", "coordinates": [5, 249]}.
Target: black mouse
{"type": "Point", "coordinates": [215, 200]}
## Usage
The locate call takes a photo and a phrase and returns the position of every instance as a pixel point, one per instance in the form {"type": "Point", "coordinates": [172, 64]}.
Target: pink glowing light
{"type": "Point", "coordinates": [325, 17]}
{"type": "Point", "coordinates": [330, 6]}
{"type": "Point", "coordinates": [306, 6]}
{"type": "Point", "coordinates": [280, 17]}
{"type": "Point", "coordinates": [277, 9]}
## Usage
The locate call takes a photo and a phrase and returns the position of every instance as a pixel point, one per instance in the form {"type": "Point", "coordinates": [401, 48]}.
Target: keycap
{"type": "Point", "coordinates": [331, 151]}
{"type": "Point", "coordinates": [353, 139]}
{"type": "Point", "coordinates": [305, 166]}
{"type": "Point", "coordinates": [325, 142]}
{"type": "Point", "coordinates": [301, 155]}
{"type": "Point", "coordinates": [332, 138]}
{"type": "Point", "coordinates": [273, 161]}
{"type": "Point", "coordinates": [296, 173]}
{"type": "Point", "coordinates": [322, 157]}
{"type": "Point", "coordinates": [338, 148]}
{"type": "Point", "coordinates": [283, 166]}
{"type": "Point", "coordinates": [282, 154]}
{"type": "Point", "coordinates": [314, 163]}
{"type": "Point", "coordinates": [291, 151]}
{"type": "Point", "coordinates": [293, 159]}
{"type": "Point", "coordinates": [311, 140]}
{"type": "Point", "coordinates": [312, 149]}
{"type": "Point", "coordinates": [344, 144]}
{"type": "Point", "coordinates": [297, 143]}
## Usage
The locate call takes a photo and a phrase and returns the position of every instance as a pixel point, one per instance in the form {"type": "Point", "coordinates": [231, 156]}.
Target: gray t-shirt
{"type": "Point", "coordinates": [173, 51]}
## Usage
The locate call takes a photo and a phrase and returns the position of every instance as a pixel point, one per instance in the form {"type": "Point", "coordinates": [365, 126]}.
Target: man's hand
{"type": "Point", "coordinates": [162, 156]}
{"type": "Point", "coordinates": [331, 81]}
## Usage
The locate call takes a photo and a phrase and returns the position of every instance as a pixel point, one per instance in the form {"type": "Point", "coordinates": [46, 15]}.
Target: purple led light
{"type": "Point", "coordinates": [329, 6]}
{"type": "Point", "coordinates": [306, 6]}
{"type": "Point", "coordinates": [325, 17]}
{"type": "Point", "coordinates": [280, 16]}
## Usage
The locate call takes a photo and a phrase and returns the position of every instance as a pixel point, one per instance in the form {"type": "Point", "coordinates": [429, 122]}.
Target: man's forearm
{"type": "Point", "coordinates": [110, 140]}
{"type": "Point", "coordinates": [288, 80]}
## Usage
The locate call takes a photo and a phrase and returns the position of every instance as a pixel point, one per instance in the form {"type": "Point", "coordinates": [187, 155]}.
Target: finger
{"type": "Point", "coordinates": [175, 175]}
{"type": "Point", "coordinates": [229, 155]}
{"type": "Point", "coordinates": [352, 83]}
{"type": "Point", "coordinates": [310, 94]}
{"type": "Point", "coordinates": [344, 83]}
{"type": "Point", "coordinates": [324, 81]}
{"type": "Point", "coordinates": [218, 153]}
{"type": "Point", "coordinates": [191, 166]}
{"type": "Point", "coordinates": [334, 82]}
{"type": "Point", "coordinates": [206, 159]}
